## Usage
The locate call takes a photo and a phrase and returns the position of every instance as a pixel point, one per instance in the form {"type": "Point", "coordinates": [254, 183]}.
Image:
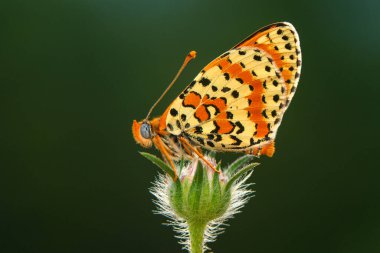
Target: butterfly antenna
{"type": "Point", "coordinates": [188, 58]}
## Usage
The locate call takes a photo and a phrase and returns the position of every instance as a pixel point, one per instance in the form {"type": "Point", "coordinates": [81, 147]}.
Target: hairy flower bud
{"type": "Point", "coordinates": [200, 201]}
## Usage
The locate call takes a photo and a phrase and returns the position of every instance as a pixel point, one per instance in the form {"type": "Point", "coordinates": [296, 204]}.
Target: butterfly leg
{"type": "Point", "coordinates": [160, 145]}
{"type": "Point", "coordinates": [199, 154]}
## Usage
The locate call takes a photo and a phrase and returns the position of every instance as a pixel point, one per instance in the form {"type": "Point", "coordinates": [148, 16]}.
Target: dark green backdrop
{"type": "Point", "coordinates": [74, 74]}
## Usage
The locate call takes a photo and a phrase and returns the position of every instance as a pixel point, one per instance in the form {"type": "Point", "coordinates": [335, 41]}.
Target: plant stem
{"type": "Point", "coordinates": [197, 231]}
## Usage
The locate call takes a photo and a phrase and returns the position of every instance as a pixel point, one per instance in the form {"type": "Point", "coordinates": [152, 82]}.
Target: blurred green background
{"type": "Point", "coordinates": [74, 74]}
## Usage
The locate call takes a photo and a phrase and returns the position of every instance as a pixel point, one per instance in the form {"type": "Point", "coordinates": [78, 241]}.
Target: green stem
{"type": "Point", "coordinates": [197, 231]}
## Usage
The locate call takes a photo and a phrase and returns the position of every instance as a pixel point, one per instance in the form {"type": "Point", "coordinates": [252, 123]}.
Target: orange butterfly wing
{"type": "Point", "coordinates": [237, 101]}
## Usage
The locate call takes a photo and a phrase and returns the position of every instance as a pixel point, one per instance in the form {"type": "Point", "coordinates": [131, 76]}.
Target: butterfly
{"type": "Point", "coordinates": [235, 104]}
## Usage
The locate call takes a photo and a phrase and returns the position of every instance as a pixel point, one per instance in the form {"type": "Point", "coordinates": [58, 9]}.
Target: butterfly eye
{"type": "Point", "coordinates": [145, 130]}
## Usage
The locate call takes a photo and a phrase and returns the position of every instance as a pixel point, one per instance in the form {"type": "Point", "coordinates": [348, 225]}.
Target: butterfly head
{"type": "Point", "coordinates": [142, 132]}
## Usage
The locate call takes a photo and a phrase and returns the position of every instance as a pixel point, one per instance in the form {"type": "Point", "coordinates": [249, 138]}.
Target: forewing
{"type": "Point", "coordinates": [238, 100]}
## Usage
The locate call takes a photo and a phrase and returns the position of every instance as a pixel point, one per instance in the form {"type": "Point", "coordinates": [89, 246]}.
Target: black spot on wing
{"type": "Point", "coordinates": [226, 89]}
{"type": "Point", "coordinates": [218, 137]}
{"type": "Point", "coordinates": [235, 94]}
{"type": "Point", "coordinates": [201, 140]}
{"type": "Point", "coordinates": [173, 112]}
{"type": "Point", "coordinates": [205, 81]}
{"type": "Point", "coordinates": [263, 98]}
{"type": "Point", "coordinates": [198, 130]}
{"type": "Point", "coordinates": [257, 57]}
{"type": "Point", "coordinates": [211, 144]}
{"type": "Point", "coordinates": [216, 129]}
{"type": "Point", "coordinates": [236, 139]}
{"type": "Point", "coordinates": [264, 113]}
{"type": "Point", "coordinates": [265, 84]}
{"type": "Point", "coordinates": [240, 126]}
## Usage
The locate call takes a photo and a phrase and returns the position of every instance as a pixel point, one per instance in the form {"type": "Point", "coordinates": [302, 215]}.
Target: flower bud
{"type": "Point", "coordinates": [201, 200]}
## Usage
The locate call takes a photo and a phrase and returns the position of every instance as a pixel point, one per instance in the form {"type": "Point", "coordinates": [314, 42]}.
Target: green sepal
{"type": "Point", "coordinates": [161, 164]}
{"type": "Point", "coordinates": [204, 204]}
{"type": "Point", "coordinates": [216, 197]}
{"type": "Point", "coordinates": [216, 190]}
{"type": "Point", "coordinates": [238, 163]}
{"type": "Point", "coordinates": [196, 189]}
{"type": "Point", "coordinates": [176, 199]}
{"type": "Point", "coordinates": [238, 175]}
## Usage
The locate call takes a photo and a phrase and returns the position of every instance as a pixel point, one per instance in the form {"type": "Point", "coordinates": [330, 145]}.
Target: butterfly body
{"type": "Point", "coordinates": [237, 102]}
